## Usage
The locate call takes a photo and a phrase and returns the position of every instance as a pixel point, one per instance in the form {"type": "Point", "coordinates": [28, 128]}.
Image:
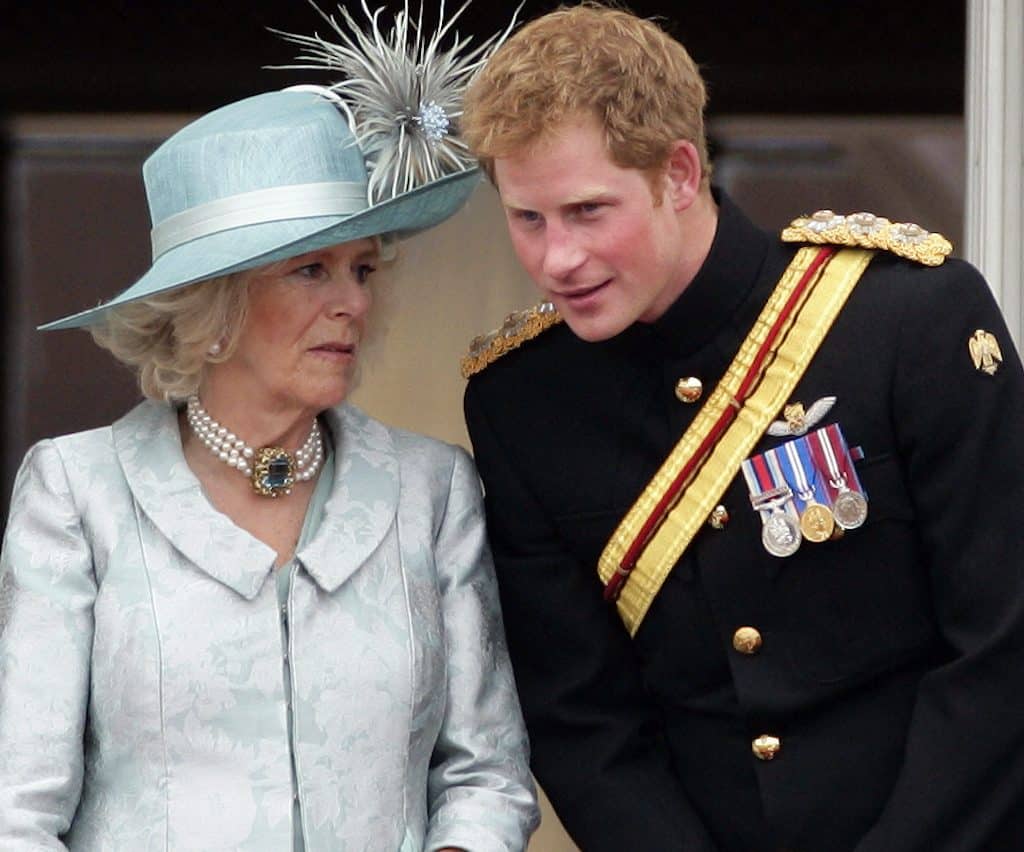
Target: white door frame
{"type": "Point", "coordinates": [994, 212]}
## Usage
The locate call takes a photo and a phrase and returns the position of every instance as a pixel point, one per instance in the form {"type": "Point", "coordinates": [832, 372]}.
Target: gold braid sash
{"type": "Point", "coordinates": [675, 503]}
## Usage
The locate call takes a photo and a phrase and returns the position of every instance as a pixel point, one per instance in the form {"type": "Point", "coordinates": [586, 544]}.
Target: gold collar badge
{"type": "Point", "coordinates": [985, 351]}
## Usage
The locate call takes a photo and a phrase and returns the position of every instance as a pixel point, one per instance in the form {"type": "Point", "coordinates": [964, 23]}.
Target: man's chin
{"type": "Point", "coordinates": [593, 328]}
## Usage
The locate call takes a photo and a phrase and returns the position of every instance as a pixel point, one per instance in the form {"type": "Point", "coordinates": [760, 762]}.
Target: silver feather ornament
{"type": "Point", "coordinates": [402, 91]}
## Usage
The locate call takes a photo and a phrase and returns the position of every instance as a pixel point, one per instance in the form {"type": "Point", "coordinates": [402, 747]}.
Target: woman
{"type": "Point", "coordinates": [246, 615]}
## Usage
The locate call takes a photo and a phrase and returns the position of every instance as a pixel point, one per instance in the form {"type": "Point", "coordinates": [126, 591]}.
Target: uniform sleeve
{"type": "Point", "coordinates": [960, 431]}
{"type": "Point", "coordinates": [47, 591]}
{"type": "Point", "coordinates": [596, 740]}
{"type": "Point", "coordinates": [481, 794]}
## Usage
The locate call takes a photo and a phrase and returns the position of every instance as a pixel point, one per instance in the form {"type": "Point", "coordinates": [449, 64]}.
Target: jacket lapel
{"type": "Point", "coordinates": [363, 501]}
{"type": "Point", "coordinates": [148, 446]}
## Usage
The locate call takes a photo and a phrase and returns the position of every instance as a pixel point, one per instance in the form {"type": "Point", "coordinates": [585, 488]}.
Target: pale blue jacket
{"type": "Point", "coordinates": [142, 702]}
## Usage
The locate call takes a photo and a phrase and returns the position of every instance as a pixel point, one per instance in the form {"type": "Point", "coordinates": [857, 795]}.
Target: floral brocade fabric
{"type": "Point", "coordinates": [142, 704]}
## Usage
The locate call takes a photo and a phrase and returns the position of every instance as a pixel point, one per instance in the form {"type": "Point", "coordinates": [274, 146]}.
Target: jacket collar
{"type": "Point", "coordinates": [363, 501]}
{"type": "Point", "coordinates": [359, 510]}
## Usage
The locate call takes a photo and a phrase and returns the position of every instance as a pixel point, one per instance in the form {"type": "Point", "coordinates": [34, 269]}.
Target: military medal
{"type": "Point", "coordinates": [850, 509]}
{"type": "Point", "coordinates": [780, 534]}
{"type": "Point", "coordinates": [772, 498]}
{"type": "Point", "coordinates": [816, 521]}
{"type": "Point", "coordinates": [832, 457]}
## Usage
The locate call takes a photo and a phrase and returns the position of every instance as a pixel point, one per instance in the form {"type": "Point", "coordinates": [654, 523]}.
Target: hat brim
{"type": "Point", "coordinates": [251, 246]}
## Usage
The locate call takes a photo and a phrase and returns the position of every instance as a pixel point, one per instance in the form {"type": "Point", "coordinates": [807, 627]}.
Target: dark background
{"type": "Point", "coordinates": [857, 56]}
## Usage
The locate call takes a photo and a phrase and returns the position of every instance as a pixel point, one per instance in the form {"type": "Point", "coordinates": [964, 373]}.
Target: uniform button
{"type": "Point", "coordinates": [719, 517]}
{"type": "Point", "coordinates": [766, 747]}
{"type": "Point", "coordinates": [747, 640]}
{"type": "Point", "coordinates": [689, 389]}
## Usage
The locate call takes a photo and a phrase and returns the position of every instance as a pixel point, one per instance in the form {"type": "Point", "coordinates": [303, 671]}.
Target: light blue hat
{"type": "Point", "coordinates": [263, 179]}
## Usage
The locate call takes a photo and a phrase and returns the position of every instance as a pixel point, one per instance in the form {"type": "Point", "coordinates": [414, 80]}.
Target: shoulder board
{"type": "Point", "coordinates": [865, 230]}
{"type": "Point", "coordinates": [518, 327]}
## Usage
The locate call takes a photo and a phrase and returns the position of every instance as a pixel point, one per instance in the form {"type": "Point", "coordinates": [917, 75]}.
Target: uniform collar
{"type": "Point", "coordinates": [357, 515]}
{"type": "Point", "coordinates": [724, 281]}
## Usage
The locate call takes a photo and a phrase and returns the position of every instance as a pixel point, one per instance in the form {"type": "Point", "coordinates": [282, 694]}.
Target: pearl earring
{"type": "Point", "coordinates": [214, 350]}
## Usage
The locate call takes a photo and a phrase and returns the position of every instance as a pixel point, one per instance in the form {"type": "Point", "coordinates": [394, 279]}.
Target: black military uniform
{"type": "Point", "coordinates": [888, 664]}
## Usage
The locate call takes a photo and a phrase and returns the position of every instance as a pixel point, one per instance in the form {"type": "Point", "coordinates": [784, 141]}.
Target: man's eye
{"type": "Point", "coordinates": [589, 207]}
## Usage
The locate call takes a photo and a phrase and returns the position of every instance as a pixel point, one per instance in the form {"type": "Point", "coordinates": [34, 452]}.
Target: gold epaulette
{"type": "Point", "coordinates": [516, 330]}
{"type": "Point", "coordinates": [865, 230]}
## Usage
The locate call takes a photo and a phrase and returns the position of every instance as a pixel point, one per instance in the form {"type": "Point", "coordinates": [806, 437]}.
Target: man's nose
{"type": "Point", "coordinates": [563, 253]}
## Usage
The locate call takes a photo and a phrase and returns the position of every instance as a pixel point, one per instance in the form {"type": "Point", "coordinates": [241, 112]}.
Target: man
{"type": "Point", "coordinates": [806, 633]}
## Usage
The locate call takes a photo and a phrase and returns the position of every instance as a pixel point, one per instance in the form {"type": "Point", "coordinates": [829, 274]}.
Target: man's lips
{"type": "Point", "coordinates": [579, 293]}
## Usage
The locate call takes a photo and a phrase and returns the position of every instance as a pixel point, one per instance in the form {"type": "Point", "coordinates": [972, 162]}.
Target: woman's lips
{"type": "Point", "coordinates": [335, 350]}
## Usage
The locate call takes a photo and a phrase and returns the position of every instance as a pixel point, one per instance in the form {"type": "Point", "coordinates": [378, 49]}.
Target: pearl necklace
{"type": "Point", "coordinates": [272, 471]}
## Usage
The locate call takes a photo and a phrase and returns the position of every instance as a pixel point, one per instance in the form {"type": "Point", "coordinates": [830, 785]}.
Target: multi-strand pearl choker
{"type": "Point", "coordinates": [271, 470]}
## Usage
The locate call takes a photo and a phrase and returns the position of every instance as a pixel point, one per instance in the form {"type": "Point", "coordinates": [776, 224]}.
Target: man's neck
{"type": "Point", "coordinates": [697, 227]}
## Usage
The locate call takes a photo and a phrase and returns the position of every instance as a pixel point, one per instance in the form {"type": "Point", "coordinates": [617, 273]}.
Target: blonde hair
{"type": "Point", "coordinates": [167, 338]}
{"type": "Point", "coordinates": [640, 83]}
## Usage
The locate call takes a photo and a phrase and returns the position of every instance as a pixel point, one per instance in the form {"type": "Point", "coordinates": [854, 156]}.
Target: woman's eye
{"type": "Point", "coordinates": [364, 271]}
{"type": "Point", "coordinates": [311, 270]}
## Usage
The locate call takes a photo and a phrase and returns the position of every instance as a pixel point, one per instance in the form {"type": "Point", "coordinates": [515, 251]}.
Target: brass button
{"type": "Point", "coordinates": [747, 640]}
{"type": "Point", "coordinates": [766, 747]}
{"type": "Point", "coordinates": [689, 389]}
{"type": "Point", "coordinates": [719, 517]}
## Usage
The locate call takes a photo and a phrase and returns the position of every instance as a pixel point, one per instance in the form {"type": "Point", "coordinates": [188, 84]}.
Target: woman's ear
{"type": "Point", "coordinates": [682, 174]}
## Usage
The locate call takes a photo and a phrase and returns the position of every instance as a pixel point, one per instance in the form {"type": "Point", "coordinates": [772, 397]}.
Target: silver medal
{"type": "Point", "coordinates": [780, 534]}
{"type": "Point", "coordinates": [850, 509]}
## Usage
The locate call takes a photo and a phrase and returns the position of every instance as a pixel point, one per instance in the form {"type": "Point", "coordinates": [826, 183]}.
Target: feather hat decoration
{"type": "Point", "coordinates": [401, 89]}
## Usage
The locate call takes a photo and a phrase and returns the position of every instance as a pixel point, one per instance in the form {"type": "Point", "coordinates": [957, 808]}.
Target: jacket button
{"type": "Point", "coordinates": [689, 389]}
{"type": "Point", "coordinates": [747, 640]}
{"type": "Point", "coordinates": [766, 746]}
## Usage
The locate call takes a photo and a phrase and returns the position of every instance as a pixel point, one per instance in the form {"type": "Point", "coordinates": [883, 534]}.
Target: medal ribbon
{"type": "Point", "coordinates": [832, 459]}
{"type": "Point", "coordinates": [753, 486]}
{"type": "Point", "coordinates": [841, 452]}
{"type": "Point", "coordinates": [795, 473]}
{"type": "Point", "coordinates": [786, 496]}
{"type": "Point", "coordinates": [767, 486]}
{"type": "Point", "coordinates": [827, 467]}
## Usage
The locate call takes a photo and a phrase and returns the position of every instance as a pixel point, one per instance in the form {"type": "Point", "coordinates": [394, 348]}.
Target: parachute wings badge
{"type": "Point", "coordinates": [797, 421]}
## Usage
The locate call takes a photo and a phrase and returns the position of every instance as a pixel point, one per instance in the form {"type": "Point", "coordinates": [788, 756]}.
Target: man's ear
{"type": "Point", "coordinates": [682, 175]}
